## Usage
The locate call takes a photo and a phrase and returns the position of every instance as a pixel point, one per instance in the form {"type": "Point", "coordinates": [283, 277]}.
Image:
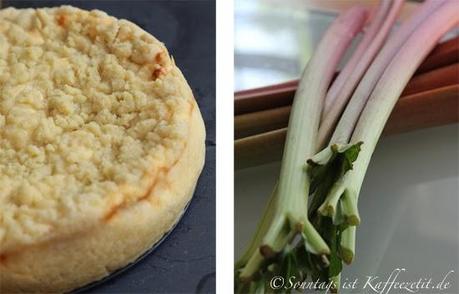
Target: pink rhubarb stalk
{"type": "Point", "coordinates": [355, 69]}
{"type": "Point", "coordinates": [388, 90]}
{"type": "Point", "coordinates": [356, 104]}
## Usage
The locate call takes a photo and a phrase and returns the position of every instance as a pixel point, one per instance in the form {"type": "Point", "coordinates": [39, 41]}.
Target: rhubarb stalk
{"type": "Point", "coordinates": [304, 120]}
{"type": "Point", "coordinates": [345, 127]}
{"type": "Point", "coordinates": [339, 169]}
{"type": "Point", "coordinates": [351, 114]}
{"type": "Point", "coordinates": [351, 74]}
{"type": "Point", "coordinates": [383, 98]}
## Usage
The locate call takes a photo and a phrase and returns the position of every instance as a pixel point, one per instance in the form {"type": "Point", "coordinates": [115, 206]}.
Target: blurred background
{"type": "Point", "coordinates": [274, 38]}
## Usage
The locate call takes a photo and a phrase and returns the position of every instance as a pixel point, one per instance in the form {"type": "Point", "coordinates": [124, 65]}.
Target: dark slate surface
{"type": "Point", "coordinates": [185, 261]}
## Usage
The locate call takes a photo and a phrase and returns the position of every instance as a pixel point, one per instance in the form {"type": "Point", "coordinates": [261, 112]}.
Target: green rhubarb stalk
{"type": "Point", "coordinates": [388, 90]}
{"type": "Point", "coordinates": [339, 93]}
{"type": "Point", "coordinates": [262, 227]}
{"type": "Point", "coordinates": [293, 185]}
{"type": "Point", "coordinates": [348, 244]}
{"type": "Point", "coordinates": [288, 216]}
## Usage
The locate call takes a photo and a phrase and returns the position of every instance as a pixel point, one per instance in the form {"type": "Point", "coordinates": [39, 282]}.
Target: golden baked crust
{"type": "Point", "coordinates": [101, 145]}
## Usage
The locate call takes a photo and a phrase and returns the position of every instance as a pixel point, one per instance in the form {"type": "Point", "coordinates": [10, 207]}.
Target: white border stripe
{"type": "Point", "coordinates": [225, 146]}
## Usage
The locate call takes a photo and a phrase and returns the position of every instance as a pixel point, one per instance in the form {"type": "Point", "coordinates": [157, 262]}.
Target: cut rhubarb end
{"type": "Point", "coordinates": [267, 252]}
{"type": "Point", "coordinates": [347, 255]}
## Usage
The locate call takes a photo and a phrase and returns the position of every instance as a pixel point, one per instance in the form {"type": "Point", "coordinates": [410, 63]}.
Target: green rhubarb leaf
{"type": "Point", "coordinates": [341, 156]}
{"type": "Point", "coordinates": [349, 156]}
{"type": "Point", "coordinates": [336, 263]}
{"type": "Point", "coordinates": [304, 261]}
{"type": "Point", "coordinates": [324, 175]}
{"type": "Point", "coordinates": [331, 166]}
{"type": "Point", "coordinates": [289, 265]}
